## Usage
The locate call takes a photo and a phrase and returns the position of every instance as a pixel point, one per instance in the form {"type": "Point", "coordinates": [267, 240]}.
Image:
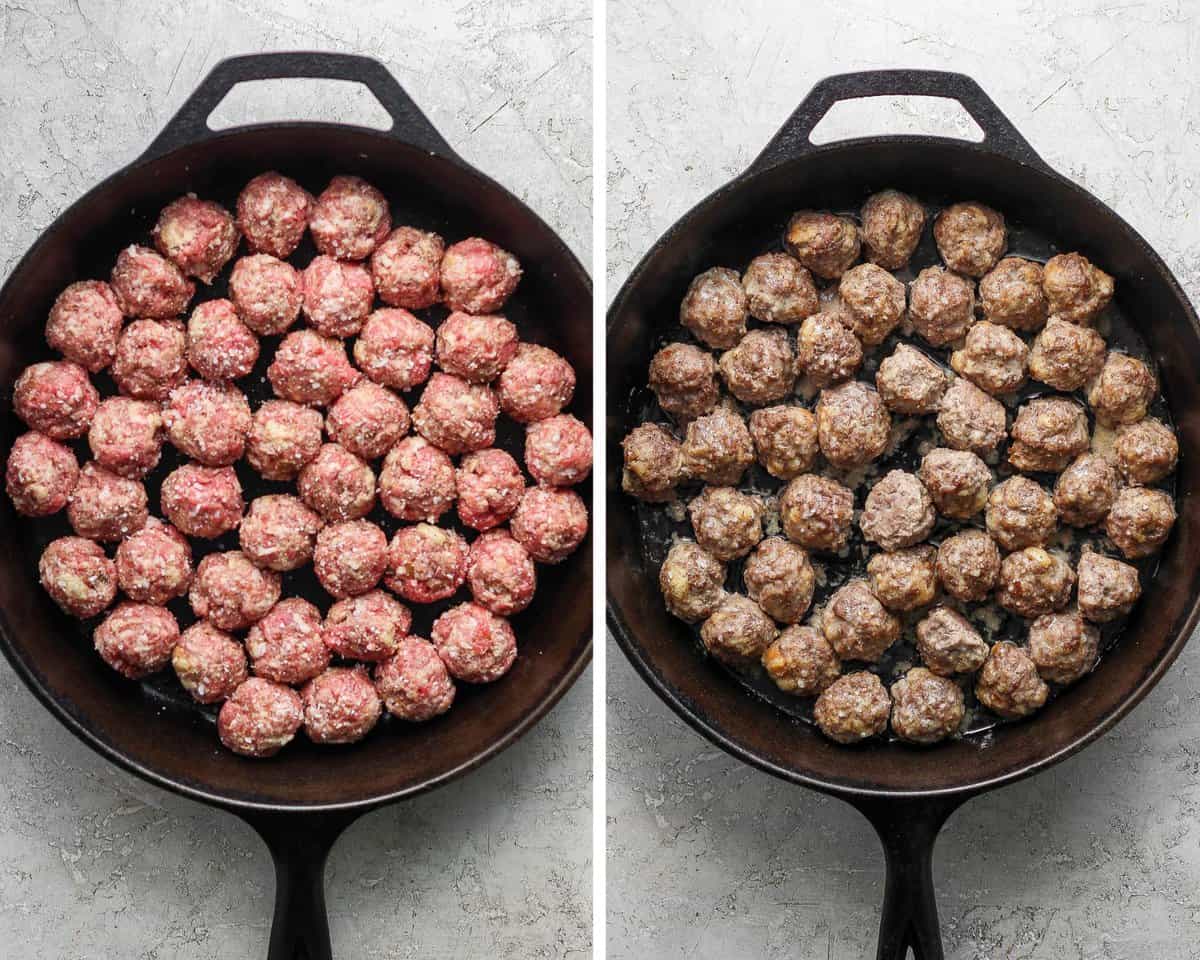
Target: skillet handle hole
{"type": "Point", "coordinates": [896, 115]}
{"type": "Point", "coordinates": [272, 101]}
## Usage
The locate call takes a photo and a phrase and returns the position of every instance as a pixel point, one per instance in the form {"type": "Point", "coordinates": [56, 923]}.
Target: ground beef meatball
{"type": "Point", "coordinates": [948, 644]}
{"type": "Point", "coordinates": [992, 357]}
{"type": "Point", "coordinates": [904, 579]}
{"type": "Point", "coordinates": [478, 276]}
{"type": "Point", "coordinates": [692, 581]}
{"type": "Point", "coordinates": [558, 451]}
{"type": "Point", "coordinates": [41, 474]}
{"type": "Point", "coordinates": [1020, 513]}
{"type": "Point", "coordinates": [283, 437]}
{"type": "Point", "coordinates": [219, 345]}
{"type": "Point", "coordinates": [126, 436]}
{"type": "Point", "coordinates": [778, 289]}
{"type": "Point", "coordinates": [1123, 390]}
{"type": "Point", "coordinates": [1048, 434]}
{"type": "Point", "coordinates": [761, 368]}
{"type": "Point", "coordinates": [738, 633]}
{"type": "Point", "coordinates": [56, 398]}
{"type": "Point", "coordinates": [415, 684]}
{"type": "Point", "coordinates": [78, 576]}
{"type": "Point", "coordinates": [801, 662]}
{"type": "Point", "coordinates": [311, 369]}
{"type": "Point", "coordinates": [476, 645]}
{"type": "Point", "coordinates": [1063, 646]}
{"type": "Point", "coordinates": [279, 532]}
{"type": "Point", "coordinates": [857, 625]}
{"type": "Point", "coordinates": [715, 308]}
{"type": "Point", "coordinates": [136, 639]}
{"type": "Point", "coordinates": [455, 415]}
{"type": "Point", "coordinates": [891, 228]}
{"type": "Point", "coordinates": [209, 663]}
{"type": "Point", "coordinates": [490, 487]}
{"type": "Point", "coordinates": [367, 627]}
{"type": "Point", "coordinates": [826, 351]}
{"type": "Point", "coordinates": [1147, 451]}
{"type": "Point", "coordinates": [653, 465]}
{"type": "Point", "coordinates": [909, 382]}
{"type": "Point", "coordinates": [684, 379]}
{"type": "Point", "coordinates": [231, 592]}
{"type": "Point", "coordinates": [727, 522]}
{"type": "Point", "coordinates": [154, 565]}
{"type": "Point", "coordinates": [926, 708]}
{"type": "Point", "coordinates": [1065, 355]}
{"type": "Point", "coordinates": [853, 708]}
{"type": "Point", "coordinates": [874, 301]}
{"type": "Point", "coordinates": [957, 480]}
{"type": "Point", "coordinates": [285, 643]}
{"type": "Point", "coordinates": [1085, 490]}
{"type": "Point", "coordinates": [341, 705]}
{"type": "Point", "coordinates": [817, 512]}
{"type": "Point", "coordinates": [1009, 684]}
{"type": "Point", "coordinates": [260, 718]}
{"type": "Point", "coordinates": [151, 359]}
{"type": "Point", "coordinates": [823, 242]}
{"type": "Point", "coordinates": [853, 425]}
{"type": "Point", "coordinates": [266, 293]}
{"type": "Point", "coordinates": [84, 324]}
{"type": "Point", "coordinates": [349, 219]}
{"type": "Point", "coordinates": [1075, 289]}
{"type": "Point", "coordinates": [501, 573]}
{"type": "Point", "coordinates": [968, 565]}
{"type": "Point", "coordinates": [550, 523]}
{"type": "Point", "coordinates": [272, 213]}
{"type": "Point", "coordinates": [417, 482]}
{"type": "Point", "coordinates": [970, 237]}
{"type": "Point", "coordinates": [1108, 588]}
{"type": "Point", "coordinates": [337, 484]}
{"type": "Point", "coordinates": [208, 422]}
{"type": "Point", "coordinates": [106, 507]}
{"type": "Point", "coordinates": [425, 563]}
{"type": "Point", "coordinates": [395, 349]}
{"type": "Point", "coordinates": [898, 511]}
{"type": "Point", "coordinates": [198, 236]}
{"type": "Point", "coordinates": [941, 306]}
{"type": "Point", "coordinates": [202, 501]}
{"type": "Point", "coordinates": [407, 268]}
{"type": "Point", "coordinates": [337, 296]}
{"type": "Point", "coordinates": [717, 448]}
{"type": "Point", "coordinates": [1011, 294]}
{"type": "Point", "coordinates": [476, 348]}
{"type": "Point", "coordinates": [1140, 521]}
{"type": "Point", "coordinates": [785, 440]}
{"type": "Point", "coordinates": [536, 384]}
{"type": "Point", "coordinates": [368, 420]}
{"type": "Point", "coordinates": [969, 419]}
{"type": "Point", "coordinates": [1033, 582]}
{"type": "Point", "coordinates": [779, 577]}
{"type": "Point", "coordinates": [148, 285]}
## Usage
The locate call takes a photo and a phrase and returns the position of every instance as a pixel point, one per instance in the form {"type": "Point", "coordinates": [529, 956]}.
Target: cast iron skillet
{"type": "Point", "coordinates": [301, 800]}
{"type": "Point", "coordinates": [906, 793]}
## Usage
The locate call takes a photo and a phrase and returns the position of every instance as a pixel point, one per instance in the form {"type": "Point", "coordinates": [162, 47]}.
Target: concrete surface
{"type": "Point", "coordinates": [93, 862]}
{"type": "Point", "coordinates": [1098, 858]}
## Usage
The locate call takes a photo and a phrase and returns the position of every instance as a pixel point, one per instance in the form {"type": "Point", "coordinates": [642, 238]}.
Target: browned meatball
{"type": "Point", "coordinates": [926, 708]}
{"type": "Point", "coordinates": [1063, 646]}
{"type": "Point", "coordinates": [1011, 294]}
{"type": "Point", "coordinates": [1147, 451]}
{"type": "Point", "coordinates": [727, 523]}
{"type": "Point", "coordinates": [891, 228]}
{"type": "Point", "coordinates": [1048, 434]}
{"type": "Point", "coordinates": [1020, 513]}
{"type": "Point", "coordinates": [785, 439]}
{"type": "Point", "coordinates": [1009, 684]}
{"type": "Point", "coordinates": [1140, 521]}
{"type": "Point", "coordinates": [801, 662]}
{"type": "Point", "coordinates": [948, 644]}
{"type": "Point", "coordinates": [653, 463]}
{"type": "Point", "coordinates": [1065, 355]}
{"type": "Point", "coordinates": [1075, 289]}
{"type": "Point", "coordinates": [692, 581]}
{"type": "Point", "coordinates": [910, 382]}
{"type": "Point", "coordinates": [853, 708]}
{"type": "Point", "coordinates": [992, 357]}
{"type": "Point", "coordinates": [904, 579]}
{"type": "Point", "coordinates": [941, 305]}
{"type": "Point", "coordinates": [761, 368]}
{"type": "Point", "coordinates": [957, 480]}
{"type": "Point", "coordinates": [779, 577]}
{"type": "Point", "coordinates": [897, 512]}
{"type": "Point", "coordinates": [717, 448]}
{"type": "Point", "coordinates": [968, 565]}
{"type": "Point", "coordinates": [824, 242]}
{"type": "Point", "coordinates": [853, 425]}
{"type": "Point", "coordinates": [970, 237]}
{"type": "Point", "coordinates": [738, 632]}
{"type": "Point", "coordinates": [715, 308]}
{"type": "Point", "coordinates": [874, 302]}
{"type": "Point", "coordinates": [826, 351]}
{"type": "Point", "coordinates": [857, 625]}
{"type": "Point", "coordinates": [1033, 582]}
{"type": "Point", "coordinates": [778, 289]}
{"type": "Point", "coordinates": [817, 512]}
{"type": "Point", "coordinates": [684, 379]}
{"type": "Point", "coordinates": [1108, 588]}
{"type": "Point", "coordinates": [1123, 390]}
{"type": "Point", "coordinates": [969, 419]}
{"type": "Point", "coordinates": [1085, 491]}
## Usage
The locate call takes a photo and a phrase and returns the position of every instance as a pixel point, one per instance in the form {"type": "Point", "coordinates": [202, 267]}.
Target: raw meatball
{"type": "Point", "coordinates": [1065, 355]}
{"type": "Point", "coordinates": [368, 627]}
{"type": "Point", "coordinates": [1011, 294]}
{"type": "Point", "coordinates": [490, 487]}
{"type": "Point", "coordinates": [267, 293]}
{"type": "Point", "coordinates": [909, 382]}
{"type": "Point", "coordinates": [219, 345]}
{"type": "Point", "coordinates": [126, 436]}
{"type": "Point", "coordinates": [550, 523]}
{"type": "Point", "coordinates": [785, 439]}
{"type": "Point", "coordinates": [407, 268]}
{"type": "Point", "coordinates": [337, 296]}
{"type": "Point", "coordinates": [478, 276]}
{"type": "Point", "coordinates": [1048, 434]}
{"type": "Point", "coordinates": [78, 576]}
{"type": "Point", "coordinates": [970, 237]}
{"type": "Point", "coordinates": [898, 511]}
{"type": "Point", "coordinates": [948, 644]}
{"type": "Point", "coordinates": [717, 448]}
{"type": "Point", "coordinates": [957, 480]}
{"type": "Point", "coordinates": [414, 684]}
{"type": "Point", "coordinates": [1020, 513]}
{"type": "Point", "coordinates": [761, 368]}
{"type": "Point", "coordinates": [738, 633]}
{"type": "Point", "coordinates": [475, 348]}
{"type": "Point", "coordinates": [341, 705]}
{"type": "Point", "coordinates": [904, 579]}
{"type": "Point", "coordinates": [778, 289]}
{"type": "Point", "coordinates": [857, 625]}
{"type": "Point", "coordinates": [536, 384]}
{"type": "Point", "coordinates": [311, 369]}
{"type": "Point", "coordinates": [201, 501]}
{"type": "Point", "coordinates": [1009, 684]}
{"type": "Point", "coordinates": [285, 644]}
{"type": "Point", "coordinates": [653, 465]}
{"type": "Point", "coordinates": [147, 285]}
{"type": "Point", "coordinates": [823, 242]}
{"type": "Point", "coordinates": [1063, 646]}
{"type": "Point", "coordinates": [106, 507]}
{"type": "Point", "coordinates": [260, 718]}
{"type": "Point", "coordinates": [208, 422]}
{"type": "Point", "coordinates": [337, 484]}
{"type": "Point", "coordinates": [476, 645]}
{"type": "Point", "coordinates": [826, 351]}
{"type": "Point", "coordinates": [1085, 491]}
{"type": "Point", "coordinates": [272, 213]}
{"type": "Point", "coordinates": [1034, 582]}
{"type": "Point", "coordinates": [136, 639]}
{"type": "Point", "coordinates": [395, 349]}
{"type": "Point", "coordinates": [727, 523]}
{"type": "Point", "coordinates": [1147, 451]}
{"type": "Point", "coordinates": [684, 379]}
{"type": "Point", "coordinates": [151, 359]}
{"type": "Point", "coordinates": [283, 437]}
{"type": "Point", "coordinates": [279, 532]}
{"type": "Point", "coordinates": [968, 565]}
{"type": "Point", "coordinates": [715, 308]}
{"type": "Point", "coordinates": [425, 564]}
{"type": "Point", "coordinates": [891, 228]}
{"type": "Point", "coordinates": [941, 306]}
{"type": "Point", "coordinates": [853, 425]}
{"type": "Point", "coordinates": [41, 474]}
{"type": "Point", "coordinates": [368, 420]}
{"type": "Point", "coordinates": [853, 708]}
{"type": "Point", "coordinates": [1108, 588]}
{"type": "Point", "coordinates": [417, 482]}
{"type": "Point", "coordinates": [558, 451]}
{"type": "Point", "coordinates": [692, 581]}
{"type": "Point", "coordinates": [198, 236]}
{"type": "Point", "coordinates": [501, 573]}
{"type": "Point", "coordinates": [779, 577]}
{"type": "Point", "coordinates": [801, 662]}
{"type": "Point", "coordinates": [1140, 521]}
{"type": "Point", "coordinates": [209, 663]}
{"type": "Point", "coordinates": [1123, 390]}
{"type": "Point", "coordinates": [84, 324]}
{"type": "Point", "coordinates": [1075, 289]}
{"type": "Point", "coordinates": [874, 300]}
{"type": "Point", "coordinates": [926, 708]}
{"type": "Point", "coordinates": [232, 592]}
{"type": "Point", "coordinates": [56, 398]}
{"type": "Point", "coordinates": [992, 357]}
{"type": "Point", "coordinates": [154, 565]}
{"type": "Point", "coordinates": [969, 419]}
{"type": "Point", "coordinates": [349, 219]}
{"type": "Point", "coordinates": [817, 512]}
{"type": "Point", "coordinates": [455, 415]}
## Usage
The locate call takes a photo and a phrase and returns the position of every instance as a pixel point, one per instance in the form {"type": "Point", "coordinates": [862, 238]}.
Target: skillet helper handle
{"type": "Point", "coordinates": [999, 133]}
{"type": "Point", "coordinates": [190, 123]}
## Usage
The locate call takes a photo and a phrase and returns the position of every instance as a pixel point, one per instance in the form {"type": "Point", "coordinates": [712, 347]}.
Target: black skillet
{"type": "Point", "coordinates": [906, 793]}
{"type": "Point", "coordinates": [301, 800]}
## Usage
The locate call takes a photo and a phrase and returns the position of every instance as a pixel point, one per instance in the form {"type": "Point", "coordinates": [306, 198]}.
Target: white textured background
{"type": "Point", "coordinates": [93, 862]}
{"type": "Point", "coordinates": [709, 859]}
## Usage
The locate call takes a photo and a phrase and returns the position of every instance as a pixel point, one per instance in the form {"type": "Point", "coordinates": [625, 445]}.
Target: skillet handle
{"type": "Point", "coordinates": [190, 123]}
{"type": "Point", "coordinates": [999, 133]}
